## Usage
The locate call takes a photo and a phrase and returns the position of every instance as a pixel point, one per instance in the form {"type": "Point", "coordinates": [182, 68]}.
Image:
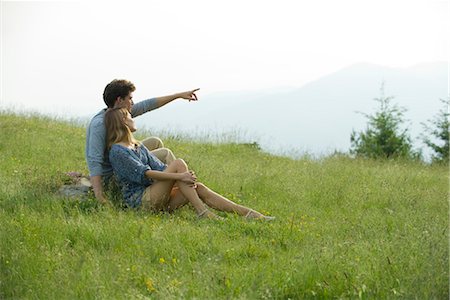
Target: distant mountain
{"type": "Point", "coordinates": [317, 117]}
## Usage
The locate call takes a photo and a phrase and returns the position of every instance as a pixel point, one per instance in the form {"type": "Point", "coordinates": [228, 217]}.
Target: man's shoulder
{"type": "Point", "coordinates": [97, 120]}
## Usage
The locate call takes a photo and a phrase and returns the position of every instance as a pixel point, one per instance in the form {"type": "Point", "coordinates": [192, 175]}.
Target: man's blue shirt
{"type": "Point", "coordinates": [96, 153]}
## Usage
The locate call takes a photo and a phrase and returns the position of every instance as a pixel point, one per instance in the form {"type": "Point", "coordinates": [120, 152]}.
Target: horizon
{"type": "Point", "coordinates": [60, 110]}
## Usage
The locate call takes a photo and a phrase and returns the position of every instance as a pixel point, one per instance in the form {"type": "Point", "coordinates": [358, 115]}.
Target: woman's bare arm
{"type": "Point", "coordinates": [187, 177]}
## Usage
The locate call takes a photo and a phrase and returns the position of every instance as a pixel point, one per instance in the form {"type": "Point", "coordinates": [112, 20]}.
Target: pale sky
{"type": "Point", "coordinates": [61, 54]}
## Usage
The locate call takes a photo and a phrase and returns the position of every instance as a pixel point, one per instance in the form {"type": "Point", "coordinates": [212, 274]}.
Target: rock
{"type": "Point", "coordinates": [77, 186]}
{"type": "Point", "coordinates": [74, 191]}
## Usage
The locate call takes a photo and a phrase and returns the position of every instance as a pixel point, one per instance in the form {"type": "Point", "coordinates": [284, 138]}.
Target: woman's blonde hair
{"type": "Point", "coordinates": [116, 129]}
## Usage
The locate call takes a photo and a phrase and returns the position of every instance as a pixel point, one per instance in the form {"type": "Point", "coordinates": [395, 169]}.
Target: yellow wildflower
{"type": "Point", "coordinates": [149, 285]}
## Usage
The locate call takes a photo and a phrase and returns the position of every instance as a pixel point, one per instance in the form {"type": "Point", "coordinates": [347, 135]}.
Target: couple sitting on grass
{"type": "Point", "coordinates": [154, 179]}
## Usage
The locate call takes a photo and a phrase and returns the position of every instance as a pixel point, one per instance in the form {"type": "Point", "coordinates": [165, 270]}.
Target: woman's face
{"type": "Point", "coordinates": [130, 122]}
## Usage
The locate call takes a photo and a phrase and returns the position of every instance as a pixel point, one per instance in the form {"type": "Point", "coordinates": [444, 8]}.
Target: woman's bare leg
{"type": "Point", "coordinates": [177, 199]}
{"type": "Point", "coordinates": [221, 203]}
{"type": "Point", "coordinates": [163, 196]}
{"type": "Point", "coordinates": [190, 193]}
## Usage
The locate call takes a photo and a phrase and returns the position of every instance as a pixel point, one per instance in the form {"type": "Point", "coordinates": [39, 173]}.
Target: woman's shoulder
{"type": "Point", "coordinates": [117, 148]}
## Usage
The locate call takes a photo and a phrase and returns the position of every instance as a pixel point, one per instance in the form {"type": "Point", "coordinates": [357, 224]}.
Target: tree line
{"type": "Point", "coordinates": [386, 136]}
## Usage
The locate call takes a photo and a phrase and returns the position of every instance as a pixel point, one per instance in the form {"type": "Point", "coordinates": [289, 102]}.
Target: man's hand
{"type": "Point", "coordinates": [96, 182]}
{"type": "Point", "coordinates": [189, 95]}
{"type": "Point", "coordinates": [103, 201]}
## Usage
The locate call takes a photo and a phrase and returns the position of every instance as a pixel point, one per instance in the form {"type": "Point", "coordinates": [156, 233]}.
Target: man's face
{"type": "Point", "coordinates": [126, 102]}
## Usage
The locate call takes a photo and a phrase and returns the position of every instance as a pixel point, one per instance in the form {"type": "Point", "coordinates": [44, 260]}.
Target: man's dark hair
{"type": "Point", "coordinates": [117, 88]}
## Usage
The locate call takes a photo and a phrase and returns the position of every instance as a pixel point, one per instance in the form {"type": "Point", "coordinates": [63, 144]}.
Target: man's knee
{"type": "Point", "coordinates": [169, 156]}
{"type": "Point", "coordinates": [165, 155]}
{"type": "Point", "coordinates": [153, 142]}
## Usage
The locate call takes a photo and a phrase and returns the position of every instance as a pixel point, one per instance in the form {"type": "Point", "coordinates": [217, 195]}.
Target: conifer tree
{"type": "Point", "coordinates": [438, 134]}
{"type": "Point", "coordinates": [384, 136]}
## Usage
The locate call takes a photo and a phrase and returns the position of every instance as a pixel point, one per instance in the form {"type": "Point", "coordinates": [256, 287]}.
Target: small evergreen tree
{"type": "Point", "coordinates": [439, 129]}
{"type": "Point", "coordinates": [383, 137]}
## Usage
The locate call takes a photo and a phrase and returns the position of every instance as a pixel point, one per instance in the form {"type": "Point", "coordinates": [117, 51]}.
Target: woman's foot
{"type": "Point", "coordinates": [207, 214]}
{"type": "Point", "coordinates": [253, 214]}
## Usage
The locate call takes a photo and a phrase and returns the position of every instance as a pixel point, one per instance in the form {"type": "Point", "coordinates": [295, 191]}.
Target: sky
{"type": "Point", "coordinates": [58, 56]}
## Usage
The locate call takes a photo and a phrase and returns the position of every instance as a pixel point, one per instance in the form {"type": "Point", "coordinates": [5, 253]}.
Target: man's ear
{"type": "Point", "coordinates": [117, 100]}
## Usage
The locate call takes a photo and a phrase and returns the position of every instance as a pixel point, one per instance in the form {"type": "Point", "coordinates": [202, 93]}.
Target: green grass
{"type": "Point", "coordinates": [345, 228]}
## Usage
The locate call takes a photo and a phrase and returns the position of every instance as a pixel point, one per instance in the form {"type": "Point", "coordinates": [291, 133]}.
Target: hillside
{"type": "Point", "coordinates": [317, 117]}
{"type": "Point", "coordinates": [344, 228]}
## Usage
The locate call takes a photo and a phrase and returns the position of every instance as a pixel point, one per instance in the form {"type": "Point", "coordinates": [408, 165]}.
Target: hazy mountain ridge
{"type": "Point", "coordinates": [319, 116]}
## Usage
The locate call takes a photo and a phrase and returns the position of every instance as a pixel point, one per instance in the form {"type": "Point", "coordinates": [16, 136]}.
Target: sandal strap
{"type": "Point", "coordinates": [249, 213]}
{"type": "Point", "coordinates": [202, 213]}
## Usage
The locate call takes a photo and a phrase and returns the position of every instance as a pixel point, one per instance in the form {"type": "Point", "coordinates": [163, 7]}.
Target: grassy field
{"type": "Point", "coordinates": [344, 228]}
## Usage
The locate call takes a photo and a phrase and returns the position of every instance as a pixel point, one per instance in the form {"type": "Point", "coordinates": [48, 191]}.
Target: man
{"type": "Point", "coordinates": [119, 93]}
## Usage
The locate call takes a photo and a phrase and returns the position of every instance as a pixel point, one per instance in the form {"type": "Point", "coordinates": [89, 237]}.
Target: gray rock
{"type": "Point", "coordinates": [74, 191]}
{"type": "Point", "coordinates": [78, 187]}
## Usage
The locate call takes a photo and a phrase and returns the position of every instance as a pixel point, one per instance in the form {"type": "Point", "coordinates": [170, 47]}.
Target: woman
{"type": "Point", "coordinates": [148, 183]}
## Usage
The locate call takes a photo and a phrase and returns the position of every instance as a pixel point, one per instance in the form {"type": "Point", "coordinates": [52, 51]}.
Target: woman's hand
{"type": "Point", "coordinates": [188, 178]}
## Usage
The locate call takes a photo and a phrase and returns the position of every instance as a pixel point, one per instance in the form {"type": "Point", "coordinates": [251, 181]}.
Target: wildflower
{"type": "Point", "coordinates": [162, 260]}
{"type": "Point", "coordinates": [149, 285]}
{"type": "Point", "coordinates": [174, 260]}
{"type": "Point", "coordinates": [265, 212]}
